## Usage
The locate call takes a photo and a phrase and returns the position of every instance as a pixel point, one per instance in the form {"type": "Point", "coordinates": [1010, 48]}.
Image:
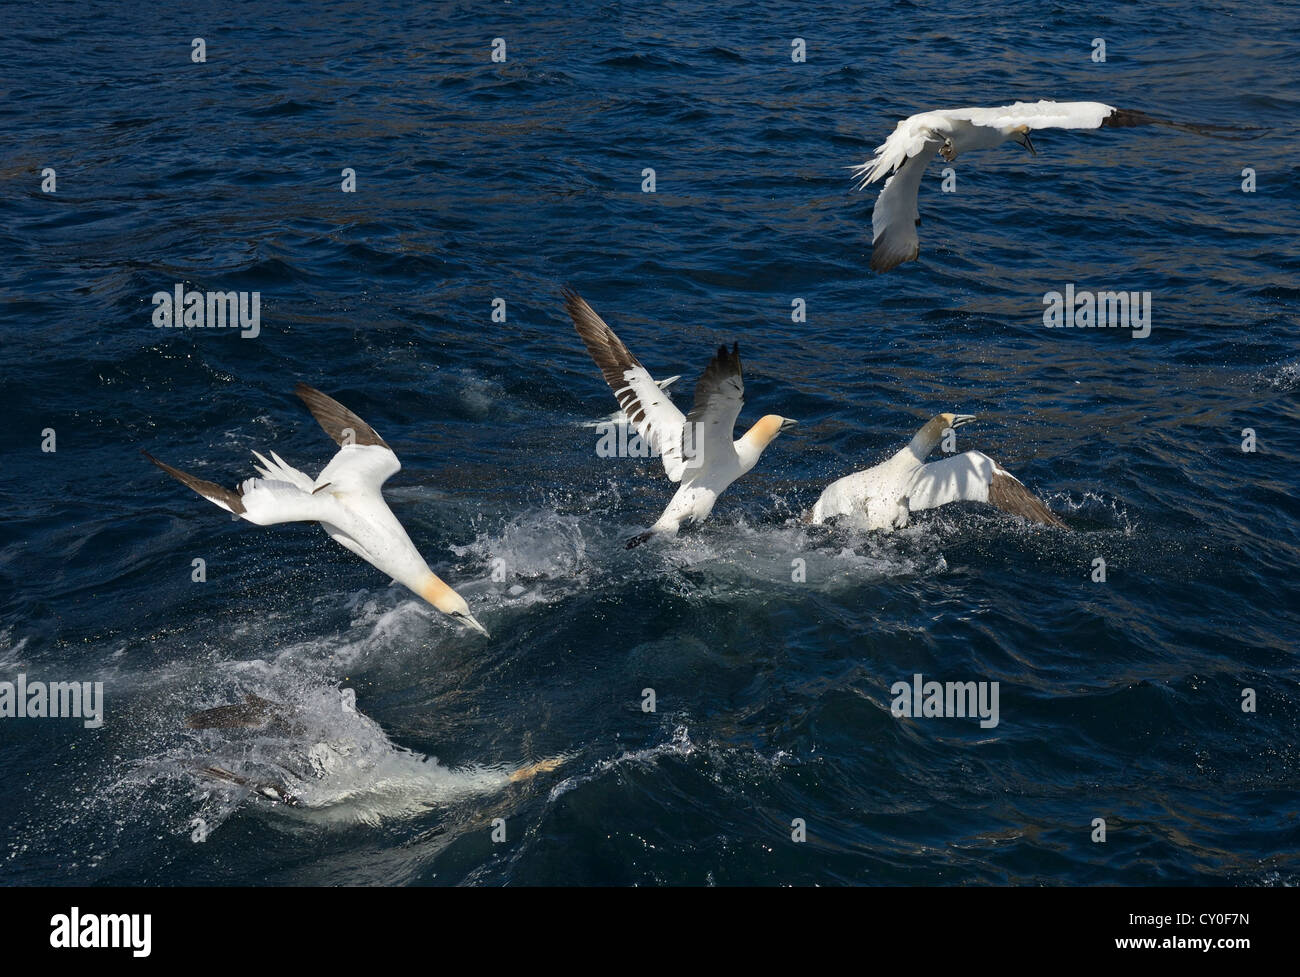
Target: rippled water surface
{"type": "Point", "coordinates": [477, 180]}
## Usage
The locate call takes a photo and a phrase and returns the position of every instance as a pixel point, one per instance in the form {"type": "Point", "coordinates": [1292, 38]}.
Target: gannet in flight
{"type": "Point", "coordinates": [889, 492]}
{"type": "Point", "coordinates": [345, 499]}
{"type": "Point", "coordinates": [950, 132]}
{"type": "Point", "coordinates": [697, 449]}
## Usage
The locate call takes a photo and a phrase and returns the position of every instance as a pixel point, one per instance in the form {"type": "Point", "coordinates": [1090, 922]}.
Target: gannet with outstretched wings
{"type": "Point", "coordinates": [904, 156]}
{"type": "Point", "coordinates": [697, 449]}
{"type": "Point", "coordinates": [885, 495]}
{"type": "Point", "coordinates": [346, 499]}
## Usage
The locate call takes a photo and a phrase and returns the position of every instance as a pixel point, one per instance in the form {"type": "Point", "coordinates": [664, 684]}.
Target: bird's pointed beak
{"type": "Point", "coordinates": [469, 620]}
{"type": "Point", "coordinates": [961, 419]}
{"type": "Point", "coordinates": [786, 424]}
{"type": "Point", "coordinates": [1029, 144]}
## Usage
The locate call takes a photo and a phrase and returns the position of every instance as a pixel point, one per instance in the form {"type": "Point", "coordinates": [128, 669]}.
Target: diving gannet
{"type": "Point", "coordinates": [887, 493]}
{"type": "Point", "coordinates": [697, 449]}
{"type": "Point", "coordinates": [950, 132]}
{"type": "Point", "coordinates": [345, 499]}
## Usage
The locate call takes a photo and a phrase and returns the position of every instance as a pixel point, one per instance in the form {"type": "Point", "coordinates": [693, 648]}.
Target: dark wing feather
{"type": "Point", "coordinates": [1008, 494]}
{"type": "Point", "coordinates": [337, 420]}
{"type": "Point", "coordinates": [230, 498]}
{"type": "Point", "coordinates": [1127, 118]}
{"type": "Point", "coordinates": [719, 396]}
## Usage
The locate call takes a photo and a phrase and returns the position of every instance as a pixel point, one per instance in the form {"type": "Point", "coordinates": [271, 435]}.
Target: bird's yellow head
{"type": "Point", "coordinates": [768, 427]}
{"type": "Point", "coordinates": [932, 433]}
{"type": "Point", "coordinates": [449, 602]}
{"type": "Point", "coordinates": [949, 420]}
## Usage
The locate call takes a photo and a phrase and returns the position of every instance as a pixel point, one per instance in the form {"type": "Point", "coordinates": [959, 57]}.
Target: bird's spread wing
{"type": "Point", "coordinates": [975, 477]}
{"type": "Point", "coordinates": [358, 468]}
{"type": "Point", "coordinates": [1042, 114]}
{"type": "Point", "coordinates": [1046, 114]}
{"type": "Point", "coordinates": [895, 216]}
{"type": "Point", "coordinates": [285, 494]}
{"type": "Point", "coordinates": [719, 395]}
{"type": "Point", "coordinates": [263, 501]}
{"type": "Point", "coordinates": [649, 410]}
{"type": "Point", "coordinates": [338, 422]}
{"type": "Point", "coordinates": [364, 460]}
{"type": "Point", "coordinates": [1125, 118]}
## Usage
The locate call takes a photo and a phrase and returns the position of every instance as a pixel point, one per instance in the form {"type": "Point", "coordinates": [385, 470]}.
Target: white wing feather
{"type": "Point", "coordinates": [360, 468]}
{"type": "Point", "coordinates": [1037, 115]}
{"type": "Point", "coordinates": [893, 219]}
{"type": "Point", "coordinates": [962, 478]}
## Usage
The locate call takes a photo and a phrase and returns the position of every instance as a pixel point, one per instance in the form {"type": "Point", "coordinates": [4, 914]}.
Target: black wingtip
{"type": "Point", "coordinates": [638, 539]}
{"type": "Point", "coordinates": [1126, 118]}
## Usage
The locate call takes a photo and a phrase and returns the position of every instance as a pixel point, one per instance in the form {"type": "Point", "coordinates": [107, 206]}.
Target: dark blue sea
{"type": "Point", "coordinates": [1162, 701]}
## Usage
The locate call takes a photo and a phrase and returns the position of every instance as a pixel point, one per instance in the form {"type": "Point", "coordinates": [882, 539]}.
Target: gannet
{"type": "Point", "coordinates": [697, 449]}
{"type": "Point", "coordinates": [346, 499]}
{"type": "Point", "coordinates": [311, 760]}
{"type": "Point", "coordinates": [950, 132]}
{"type": "Point", "coordinates": [887, 493]}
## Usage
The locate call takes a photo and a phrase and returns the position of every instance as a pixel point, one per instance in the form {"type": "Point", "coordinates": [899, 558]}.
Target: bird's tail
{"type": "Point", "coordinates": [280, 470]}
{"type": "Point", "coordinates": [866, 173]}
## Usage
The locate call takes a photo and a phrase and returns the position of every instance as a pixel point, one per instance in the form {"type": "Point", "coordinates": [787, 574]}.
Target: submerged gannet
{"type": "Point", "coordinates": [887, 493]}
{"type": "Point", "coordinates": [697, 449]}
{"type": "Point", "coordinates": [950, 132]}
{"type": "Point", "coordinates": [345, 499]}
{"type": "Point", "coordinates": [312, 758]}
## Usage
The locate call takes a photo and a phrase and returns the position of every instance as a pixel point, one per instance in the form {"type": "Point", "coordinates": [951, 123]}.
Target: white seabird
{"type": "Point", "coordinates": [696, 449]}
{"type": "Point", "coordinates": [949, 132]}
{"type": "Point", "coordinates": [886, 494]}
{"type": "Point", "coordinates": [346, 499]}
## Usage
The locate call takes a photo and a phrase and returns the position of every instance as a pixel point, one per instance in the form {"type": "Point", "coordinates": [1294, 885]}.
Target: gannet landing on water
{"type": "Point", "coordinates": [951, 132]}
{"type": "Point", "coordinates": [886, 494]}
{"type": "Point", "coordinates": [345, 499]}
{"type": "Point", "coordinates": [697, 449]}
